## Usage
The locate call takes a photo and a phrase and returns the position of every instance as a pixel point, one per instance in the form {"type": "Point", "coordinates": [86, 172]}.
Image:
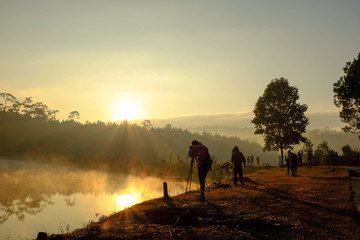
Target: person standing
{"type": "Point", "coordinates": [310, 157]}
{"type": "Point", "coordinates": [300, 155]}
{"type": "Point", "coordinates": [237, 159]}
{"type": "Point", "coordinates": [288, 160]}
{"type": "Point", "coordinates": [293, 158]}
{"type": "Point", "coordinates": [200, 153]}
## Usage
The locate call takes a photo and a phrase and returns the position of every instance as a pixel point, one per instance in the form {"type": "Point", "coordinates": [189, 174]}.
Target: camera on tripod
{"type": "Point", "coordinates": [192, 152]}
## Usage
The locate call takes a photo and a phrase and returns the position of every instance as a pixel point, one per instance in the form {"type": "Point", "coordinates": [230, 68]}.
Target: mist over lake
{"type": "Point", "coordinates": [42, 197]}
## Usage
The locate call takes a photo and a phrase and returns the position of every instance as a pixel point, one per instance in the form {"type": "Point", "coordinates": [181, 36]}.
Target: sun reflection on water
{"type": "Point", "coordinates": [127, 200]}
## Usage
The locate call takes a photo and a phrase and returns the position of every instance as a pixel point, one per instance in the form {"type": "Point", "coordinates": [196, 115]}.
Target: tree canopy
{"type": "Point", "coordinates": [279, 117]}
{"type": "Point", "coordinates": [347, 95]}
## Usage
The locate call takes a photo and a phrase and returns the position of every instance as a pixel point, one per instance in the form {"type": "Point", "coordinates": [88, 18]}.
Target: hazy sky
{"type": "Point", "coordinates": [173, 58]}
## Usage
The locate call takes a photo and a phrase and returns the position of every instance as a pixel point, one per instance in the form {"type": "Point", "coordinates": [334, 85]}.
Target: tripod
{"type": "Point", "coordinates": [189, 177]}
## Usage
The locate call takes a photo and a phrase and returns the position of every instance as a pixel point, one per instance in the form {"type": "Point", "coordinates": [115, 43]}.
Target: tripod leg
{"type": "Point", "coordinates": [188, 179]}
{"type": "Point", "coordinates": [209, 191]}
{"type": "Point", "coordinates": [191, 176]}
{"type": "Point", "coordinates": [191, 169]}
{"type": "Point", "coordinates": [187, 182]}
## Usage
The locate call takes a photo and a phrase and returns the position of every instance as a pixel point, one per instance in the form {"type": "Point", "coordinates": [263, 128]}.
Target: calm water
{"type": "Point", "coordinates": [38, 197]}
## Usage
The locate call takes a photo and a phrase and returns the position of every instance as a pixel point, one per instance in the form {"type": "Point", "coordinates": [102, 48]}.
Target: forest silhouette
{"type": "Point", "coordinates": [112, 146]}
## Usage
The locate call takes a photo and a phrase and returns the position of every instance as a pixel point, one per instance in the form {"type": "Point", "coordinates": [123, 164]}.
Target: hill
{"type": "Point", "coordinates": [317, 204]}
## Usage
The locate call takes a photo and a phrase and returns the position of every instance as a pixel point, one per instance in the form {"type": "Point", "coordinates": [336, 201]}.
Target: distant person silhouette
{"type": "Point", "coordinates": [200, 153]}
{"type": "Point", "coordinates": [300, 155]}
{"type": "Point", "coordinates": [257, 160]}
{"type": "Point", "coordinates": [310, 157]}
{"type": "Point", "coordinates": [293, 162]}
{"type": "Point", "coordinates": [237, 159]}
{"type": "Point", "coordinates": [287, 160]}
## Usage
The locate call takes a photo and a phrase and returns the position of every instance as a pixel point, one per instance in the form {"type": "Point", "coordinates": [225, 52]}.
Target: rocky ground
{"type": "Point", "coordinates": [316, 204]}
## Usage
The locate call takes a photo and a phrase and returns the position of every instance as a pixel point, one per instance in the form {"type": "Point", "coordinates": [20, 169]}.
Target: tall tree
{"type": "Point", "coordinates": [322, 154]}
{"type": "Point", "coordinates": [39, 110]}
{"type": "Point", "coordinates": [8, 97]}
{"type": "Point", "coordinates": [146, 124]}
{"type": "Point", "coordinates": [347, 95]}
{"type": "Point", "coordinates": [347, 151]}
{"type": "Point", "coordinates": [308, 146]}
{"type": "Point", "coordinates": [52, 114]}
{"type": "Point", "coordinates": [27, 106]}
{"type": "Point", "coordinates": [279, 117]}
{"type": "Point", "coordinates": [73, 115]}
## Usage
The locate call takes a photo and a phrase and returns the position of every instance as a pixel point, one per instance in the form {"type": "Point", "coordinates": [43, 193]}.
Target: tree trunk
{"type": "Point", "coordinates": [282, 156]}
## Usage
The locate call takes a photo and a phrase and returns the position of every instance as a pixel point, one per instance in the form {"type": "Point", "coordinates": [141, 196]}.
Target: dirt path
{"type": "Point", "coordinates": [316, 204]}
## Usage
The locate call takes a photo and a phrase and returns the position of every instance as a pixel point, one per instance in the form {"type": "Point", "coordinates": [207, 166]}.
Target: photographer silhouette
{"type": "Point", "coordinates": [200, 153]}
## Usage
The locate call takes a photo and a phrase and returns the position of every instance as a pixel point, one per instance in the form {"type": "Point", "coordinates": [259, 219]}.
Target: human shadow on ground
{"type": "Point", "coordinates": [288, 206]}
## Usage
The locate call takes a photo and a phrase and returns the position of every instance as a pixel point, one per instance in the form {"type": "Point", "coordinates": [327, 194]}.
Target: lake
{"type": "Point", "coordinates": [41, 197]}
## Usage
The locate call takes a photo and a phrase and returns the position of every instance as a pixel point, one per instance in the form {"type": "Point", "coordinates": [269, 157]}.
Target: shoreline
{"type": "Point", "coordinates": [272, 205]}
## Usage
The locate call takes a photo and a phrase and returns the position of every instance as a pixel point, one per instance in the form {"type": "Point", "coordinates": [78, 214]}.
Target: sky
{"type": "Point", "coordinates": [112, 60]}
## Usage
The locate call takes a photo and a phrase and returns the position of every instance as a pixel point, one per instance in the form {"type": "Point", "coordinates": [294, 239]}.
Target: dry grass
{"type": "Point", "coordinates": [316, 204]}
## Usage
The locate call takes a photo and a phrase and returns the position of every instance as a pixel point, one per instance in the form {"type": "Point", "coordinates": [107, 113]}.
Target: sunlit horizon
{"type": "Point", "coordinates": [151, 62]}
{"type": "Point", "coordinates": [126, 109]}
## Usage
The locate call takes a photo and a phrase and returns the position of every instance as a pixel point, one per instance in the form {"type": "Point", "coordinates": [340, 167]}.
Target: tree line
{"type": "Point", "coordinates": [41, 137]}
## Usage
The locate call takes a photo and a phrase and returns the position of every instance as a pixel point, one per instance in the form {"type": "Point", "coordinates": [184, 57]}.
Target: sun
{"type": "Point", "coordinates": [128, 109]}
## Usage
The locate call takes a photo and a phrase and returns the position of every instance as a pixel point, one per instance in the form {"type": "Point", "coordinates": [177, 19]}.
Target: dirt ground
{"type": "Point", "coordinates": [316, 204]}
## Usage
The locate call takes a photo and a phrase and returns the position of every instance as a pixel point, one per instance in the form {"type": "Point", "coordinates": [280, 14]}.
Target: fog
{"type": "Point", "coordinates": [317, 120]}
{"type": "Point", "coordinates": [323, 126]}
{"type": "Point", "coordinates": [37, 197]}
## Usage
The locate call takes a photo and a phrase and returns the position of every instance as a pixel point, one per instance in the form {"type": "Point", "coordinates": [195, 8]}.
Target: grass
{"type": "Point", "coordinates": [316, 204]}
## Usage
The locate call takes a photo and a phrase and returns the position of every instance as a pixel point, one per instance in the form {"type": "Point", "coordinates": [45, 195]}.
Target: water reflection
{"type": "Point", "coordinates": [22, 207]}
{"type": "Point", "coordinates": [46, 198]}
{"type": "Point", "coordinates": [70, 202]}
{"type": "Point", "coordinates": [128, 200]}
